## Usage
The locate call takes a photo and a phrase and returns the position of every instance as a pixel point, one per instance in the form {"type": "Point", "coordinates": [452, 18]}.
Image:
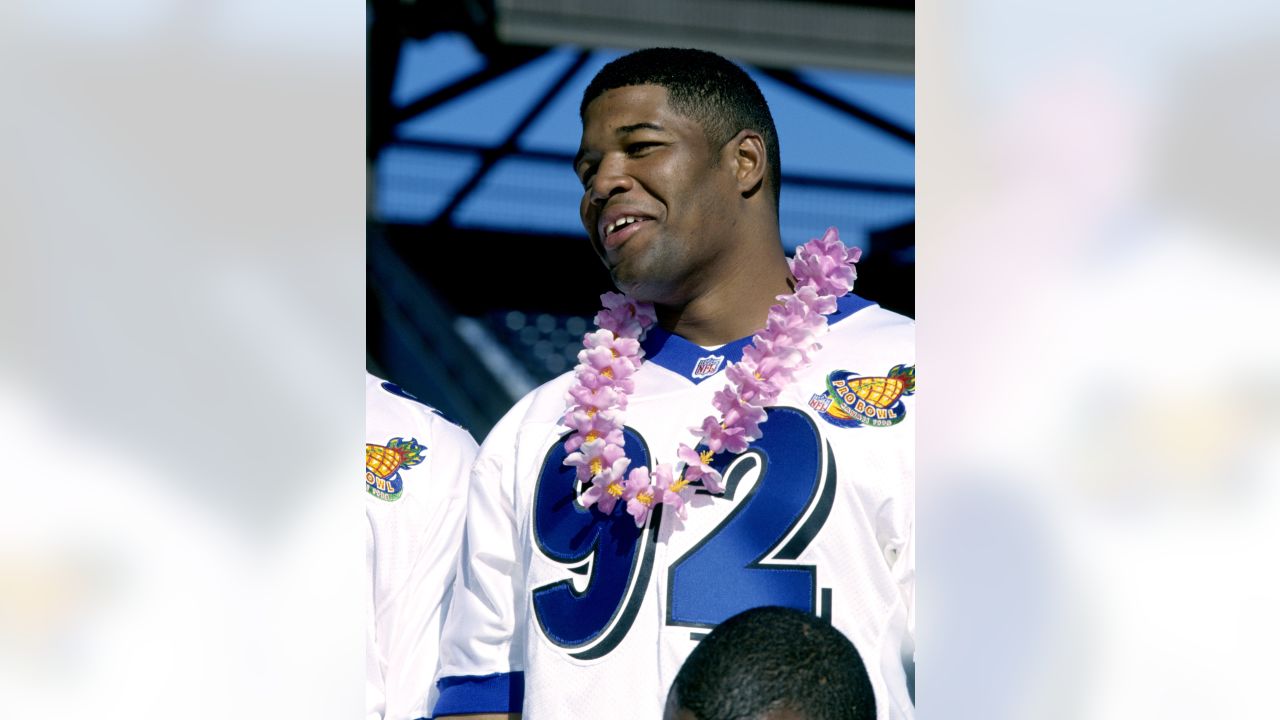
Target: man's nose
{"type": "Point", "coordinates": [610, 179]}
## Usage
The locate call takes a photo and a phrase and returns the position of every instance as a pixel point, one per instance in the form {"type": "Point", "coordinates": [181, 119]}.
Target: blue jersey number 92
{"type": "Point", "coordinates": [733, 568]}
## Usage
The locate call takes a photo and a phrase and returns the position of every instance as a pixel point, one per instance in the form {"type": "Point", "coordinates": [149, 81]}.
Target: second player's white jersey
{"type": "Point", "coordinates": [416, 467]}
{"type": "Point", "coordinates": [593, 617]}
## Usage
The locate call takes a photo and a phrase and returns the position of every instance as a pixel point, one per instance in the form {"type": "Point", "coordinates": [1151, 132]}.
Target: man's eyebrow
{"type": "Point", "coordinates": [638, 126]}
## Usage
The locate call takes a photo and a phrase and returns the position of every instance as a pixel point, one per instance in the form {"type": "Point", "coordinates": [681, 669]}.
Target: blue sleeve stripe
{"type": "Point", "coordinates": [464, 695]}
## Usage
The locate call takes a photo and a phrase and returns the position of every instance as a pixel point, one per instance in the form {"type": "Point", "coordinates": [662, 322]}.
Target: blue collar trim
{"type": "Point", "coordinates": [697, 364]}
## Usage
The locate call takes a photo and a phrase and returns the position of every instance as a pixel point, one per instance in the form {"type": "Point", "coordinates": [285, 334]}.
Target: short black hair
{"type": "Point", "coordinates": [774, 658]}
{"type": "Point", "coordinates": [700, 85]}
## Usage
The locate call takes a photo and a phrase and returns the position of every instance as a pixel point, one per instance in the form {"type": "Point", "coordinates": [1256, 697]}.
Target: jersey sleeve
{"type": "Point", "coordinates": [904, 574]}
{"type": "Point", "coordinates": [413, 548]}
{"type": "Point", "coordinates": [375, 681]}
{"type": "Point", "coordinates": [482, 648]}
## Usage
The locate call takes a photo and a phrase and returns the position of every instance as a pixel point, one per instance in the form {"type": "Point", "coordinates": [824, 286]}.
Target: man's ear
{"type": "Point", "coordinates": [749, 160]}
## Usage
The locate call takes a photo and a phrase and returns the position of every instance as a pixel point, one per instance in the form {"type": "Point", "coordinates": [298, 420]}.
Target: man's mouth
{"type": "Point", "coordinates": [617, 232]}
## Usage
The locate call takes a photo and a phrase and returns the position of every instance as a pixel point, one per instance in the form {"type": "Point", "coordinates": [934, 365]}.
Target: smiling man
{"type": "Point", "coordinates": [680, 197]}
{"type": "Point", "coordinates": [707, 456]}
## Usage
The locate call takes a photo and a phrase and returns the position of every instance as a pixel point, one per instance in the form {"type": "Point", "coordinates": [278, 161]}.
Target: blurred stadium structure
{"type": "Point", "coordinates": [472, 126]}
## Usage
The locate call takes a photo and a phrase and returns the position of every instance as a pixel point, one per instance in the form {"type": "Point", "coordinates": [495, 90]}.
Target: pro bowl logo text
{"type": "Point", "coordinates": [852, 400]}
{"type": "Point", "coordinates": [383, 463]}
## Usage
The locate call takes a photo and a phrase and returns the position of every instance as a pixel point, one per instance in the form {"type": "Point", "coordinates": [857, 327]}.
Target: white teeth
{"type": "Point", "coordinates": [619, 223]}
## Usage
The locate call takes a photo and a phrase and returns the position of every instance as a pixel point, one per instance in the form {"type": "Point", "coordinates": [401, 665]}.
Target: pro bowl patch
{"type": "Point", "coordinates": [852, 400]}
{"type": "Point", "coordinates": [383, 463]}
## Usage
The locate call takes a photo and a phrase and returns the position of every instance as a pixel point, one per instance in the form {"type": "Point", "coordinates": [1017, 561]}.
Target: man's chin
{"type": "Point", "coordinates": [641, 282]}
{"type": "Point", "coordinates": [640, 291]}
{"type": "Point", "coordinates": [631, 290]}
{"type": "Point", "coordinates": [624, 280]}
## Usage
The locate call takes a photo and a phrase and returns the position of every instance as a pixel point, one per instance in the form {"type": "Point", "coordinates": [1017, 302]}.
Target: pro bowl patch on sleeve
{"type": "Point", "coordinates": [383, 463]}
{"type": "Point", "coordinates": [852, 400]}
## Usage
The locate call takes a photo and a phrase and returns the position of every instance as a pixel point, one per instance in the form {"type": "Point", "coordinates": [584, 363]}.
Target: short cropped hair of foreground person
{"type": "Point", "coordinates": [772, 663]}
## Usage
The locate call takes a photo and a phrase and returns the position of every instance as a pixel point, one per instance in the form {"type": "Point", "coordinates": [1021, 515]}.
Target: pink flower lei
{"type": "Point", "coordinates": [823, 268]}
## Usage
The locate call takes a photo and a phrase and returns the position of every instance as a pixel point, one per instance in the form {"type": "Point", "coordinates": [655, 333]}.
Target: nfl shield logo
{"type": "Point", "coordinates": [707, 366]}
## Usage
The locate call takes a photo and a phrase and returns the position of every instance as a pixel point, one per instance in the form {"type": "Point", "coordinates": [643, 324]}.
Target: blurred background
{"type": "Point", "coordinates": [1099, 413]}
{"type": "Point", "coordinates": [184, 299]}
{"type": "Point", "coordinates": [480, 278]}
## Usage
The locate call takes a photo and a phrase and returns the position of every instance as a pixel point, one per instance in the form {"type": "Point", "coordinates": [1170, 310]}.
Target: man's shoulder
{"type": "Point", "coordinates": [386, 403]}
{"type": "Point", "coordinates": [543, 406]}
{"type": "Point", "coordinates": [876, 322]}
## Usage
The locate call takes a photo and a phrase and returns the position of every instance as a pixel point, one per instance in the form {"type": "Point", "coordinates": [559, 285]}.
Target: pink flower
{"type": "Point", "coordinates": [642, 312]}
{"type": "Point", "coordinates": [605, 362]}
{"type": "Point", "coordinates": [788, 347]}
{"type": "Point", "coordinates": [825, 264]}
{"type": "Point", "coordinates": [641, 493]}
{"type": "Point", "coordinates": [663, 487]}
{"type": "Point", "coordinates": [739, 425]}
{"type": "Point", "coordinates": [589, 378]}
{"type": "Point", "coordinates": [602, 398]}
{"type": "Point", "coordinates": [747, 419]}
{"type": "Point", "coordinates": [787, 354]}
{"type": "Point", "coordinates": [805, 309]}
{"type": "Point", "coordinates": [719, 438]}
{"type": "Point", "coordinates": [623, 316]}
{"type": "Point", "coordinates": [608, 361]}
{"type": "Point", "coordinates": [793, 323]}
{"type": "Point", "coordinates": [752, 389]}
{"type": "Point", "coordinates": [813, 301]}
{"type": "Point", "coordinates": [779, 328]}
{"type": "Point", "coordinates": [595, 458]}
{"type": "Point", "coordinates": [696, 468]}
{"type": "Point", "coordinates": [606, 484]}
{"type": "Point", "coordinates": [646, 315]}
{"type": "Point", "coordinates": [773, 364]}
{"type": "Point", "coordinates": [621, 346]}
{"type": "Point", "coordinates": [724, 400]}
{"type": "Point", "coordinates": [677, 495]}
{"type": "Point", "coordinates": [604, 425]}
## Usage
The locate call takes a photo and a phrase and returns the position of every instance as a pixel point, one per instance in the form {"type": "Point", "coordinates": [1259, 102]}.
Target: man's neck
{"type": "Point", "coordinates": [736, 308]}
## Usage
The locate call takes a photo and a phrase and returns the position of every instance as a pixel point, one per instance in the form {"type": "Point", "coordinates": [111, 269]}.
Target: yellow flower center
{"type": "Point", "coordinates": [591, 412]}
{"type": "Point", "coordinates": [607, 372]}
{"type": "Point", "coordinates": [596, 466]}
{"type": "Point", "coordinates": [678, 485]}
{"type": "Point", "coordinates": [645, 498]}
{"type": "Point", "coordinates": [593, 435]}
{"type": "Point", "coordinates": [615, 489]}
{"type": "Point", "coordinates": [706, 457]}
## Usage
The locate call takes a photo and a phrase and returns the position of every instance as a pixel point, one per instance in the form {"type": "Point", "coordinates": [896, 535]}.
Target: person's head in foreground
{"type": "Point", "coordinates": [772, 663]}
{"type": "Point", "coordinates": [680, 171]}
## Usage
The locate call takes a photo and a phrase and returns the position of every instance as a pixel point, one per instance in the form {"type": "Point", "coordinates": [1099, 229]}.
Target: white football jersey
{"type": "Point", "coordinates": [416, 468]}
{"type": "Point", "coordinates": [563, 612]}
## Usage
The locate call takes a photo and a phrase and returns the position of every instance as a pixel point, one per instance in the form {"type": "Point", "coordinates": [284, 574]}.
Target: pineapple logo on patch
{"type": "Point", "coordinates": [383, 463]}
{"type": "Point", "coordinates": [851, 400]}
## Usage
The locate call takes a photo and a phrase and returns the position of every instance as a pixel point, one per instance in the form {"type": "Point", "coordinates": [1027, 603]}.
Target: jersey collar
{"type": "Point", "coordinates": [683, 357]}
